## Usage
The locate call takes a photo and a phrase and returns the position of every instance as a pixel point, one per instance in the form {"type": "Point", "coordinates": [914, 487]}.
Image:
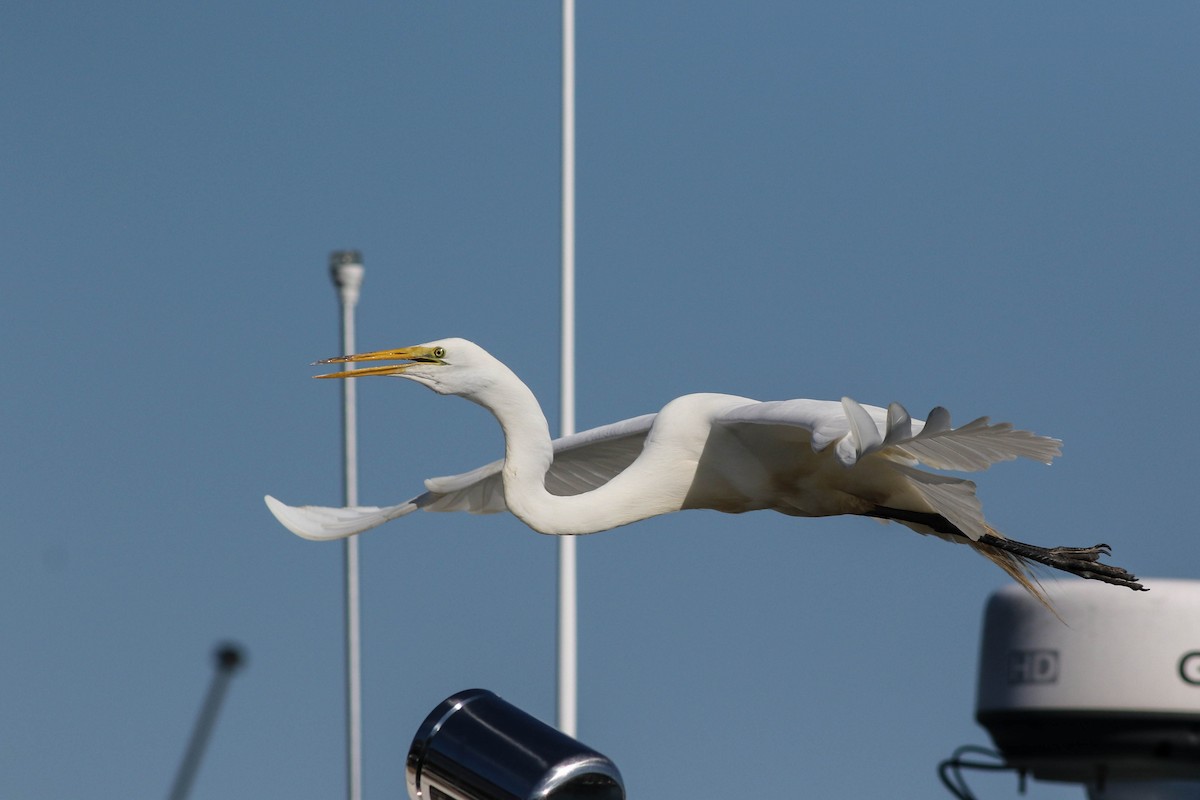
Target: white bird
{"type": "Point", "coordinates": [805, 458]}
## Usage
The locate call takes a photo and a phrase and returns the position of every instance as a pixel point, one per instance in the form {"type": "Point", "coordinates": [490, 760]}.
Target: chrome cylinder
{"type": "Point", "coordinates": [476, 746]}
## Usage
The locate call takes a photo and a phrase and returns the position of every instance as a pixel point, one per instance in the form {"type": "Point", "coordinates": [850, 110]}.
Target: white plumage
{"type": "Point", "coordinates": [806, 458]}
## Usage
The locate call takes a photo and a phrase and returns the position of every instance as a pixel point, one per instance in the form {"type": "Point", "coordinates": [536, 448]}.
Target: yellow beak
{"type": "Point", "coordinates": [414, 355]}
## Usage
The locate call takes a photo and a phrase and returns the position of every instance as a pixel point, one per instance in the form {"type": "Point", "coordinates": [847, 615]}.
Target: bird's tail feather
{"type": "Point", "coordinates": [951, 497]}
{"type": "Point", "coordinates": [319, 523]}
{"type": "Point", "coordinates": [1018, 567]}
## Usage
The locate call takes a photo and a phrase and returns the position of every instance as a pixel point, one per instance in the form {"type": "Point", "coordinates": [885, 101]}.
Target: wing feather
{"type": "Point", "coordinates": [859, 430]}
{"type": "Point", "coordinates": [977, 445]}
{"type": "Point", "coordinates": [899, 424]}
{"type": "Point", "coordinates": [864, 434]}
{"type": "Point", "coordinates": [825, 420]}
{"type": "Point", "coordinates": [320, 523]}
{"type": "Point", "coordinates": [953, 498]}
{"type": "Point", "coordinates": [582, 462]}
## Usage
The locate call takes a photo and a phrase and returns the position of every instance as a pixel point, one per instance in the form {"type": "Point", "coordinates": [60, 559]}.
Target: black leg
{"type": "Point", "coordinates": [1081, 561]}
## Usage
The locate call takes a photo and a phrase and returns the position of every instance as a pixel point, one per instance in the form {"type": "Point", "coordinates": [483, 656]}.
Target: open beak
{"type": "Point", "coordinates": [413, 355]}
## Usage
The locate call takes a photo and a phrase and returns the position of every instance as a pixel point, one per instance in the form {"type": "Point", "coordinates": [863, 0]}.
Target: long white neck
{"type": "Point", "coordinates": [637, 493]}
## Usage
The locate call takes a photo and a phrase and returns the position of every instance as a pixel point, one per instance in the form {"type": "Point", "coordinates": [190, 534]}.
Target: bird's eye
{"type": "Point", "coordinates": [439, 352]}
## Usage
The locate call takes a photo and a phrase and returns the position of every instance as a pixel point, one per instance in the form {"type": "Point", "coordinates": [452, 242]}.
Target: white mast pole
{"type": "Point", "coordinates": [568, 678]}
{"type": "Point", "coordinates": [346, 269]}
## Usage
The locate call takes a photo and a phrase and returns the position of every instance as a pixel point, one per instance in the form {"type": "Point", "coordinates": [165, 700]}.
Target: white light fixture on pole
{"type": "Point", "coordinates": [568, 648]}
{"type": "Point", "coordinates": [346, 269]}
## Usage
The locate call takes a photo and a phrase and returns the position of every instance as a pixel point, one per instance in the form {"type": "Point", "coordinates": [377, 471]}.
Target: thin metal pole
{"type": "Point", "coordinates": [568, 642]}
{"type": "Point", "coordinates": [346, 269]}
{"type": "Point", "coordinates": [228, 657]}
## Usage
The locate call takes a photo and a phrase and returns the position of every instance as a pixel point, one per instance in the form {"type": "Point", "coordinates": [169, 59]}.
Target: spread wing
{"type": "Point", "coordinates": [771, 432]}
{"type": "Point", "coordinates": [858, 430]}
{"type": "Point", "coordinates": [582, 462]}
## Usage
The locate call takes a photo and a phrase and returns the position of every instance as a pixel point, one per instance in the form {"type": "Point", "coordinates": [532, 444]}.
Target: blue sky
{"type": "Point", "coordinates": [988, 207]}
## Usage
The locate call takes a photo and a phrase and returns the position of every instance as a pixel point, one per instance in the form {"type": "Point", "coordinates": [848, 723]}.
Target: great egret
{"type": "Point", "coordinates": [806, 458]}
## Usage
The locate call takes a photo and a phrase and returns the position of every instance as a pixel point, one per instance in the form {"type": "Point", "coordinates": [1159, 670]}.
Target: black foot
{"type": "Point", "coordinates": [1081, 561]}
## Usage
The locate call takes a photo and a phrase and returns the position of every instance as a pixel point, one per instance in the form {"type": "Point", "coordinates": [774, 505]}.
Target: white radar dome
{"type": "Point", "coordinates": [1108, 694]}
